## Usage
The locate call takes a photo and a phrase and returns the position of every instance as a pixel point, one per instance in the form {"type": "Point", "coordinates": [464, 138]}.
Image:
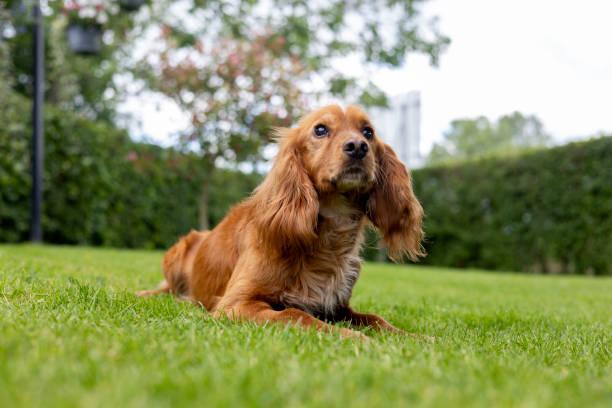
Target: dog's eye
{"type": "Point", "coordinates": [321, 130]}
{"type": "Point", "coordinates": [368, 132]}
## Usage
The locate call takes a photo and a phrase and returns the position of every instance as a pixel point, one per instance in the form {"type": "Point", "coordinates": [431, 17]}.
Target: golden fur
{"type": "Point", "coordinates": [290, 252]}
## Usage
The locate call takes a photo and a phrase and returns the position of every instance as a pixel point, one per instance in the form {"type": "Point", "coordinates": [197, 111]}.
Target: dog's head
{"type": "Point", "coordinates": [338, 151]}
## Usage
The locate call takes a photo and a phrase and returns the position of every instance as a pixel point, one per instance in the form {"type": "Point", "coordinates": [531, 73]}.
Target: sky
{"type": "Point", "coordinates": [551, 58]}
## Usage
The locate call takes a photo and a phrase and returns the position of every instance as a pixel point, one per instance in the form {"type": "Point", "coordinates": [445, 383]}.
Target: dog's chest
{"type": "Point", "coordinates": [325, 282]}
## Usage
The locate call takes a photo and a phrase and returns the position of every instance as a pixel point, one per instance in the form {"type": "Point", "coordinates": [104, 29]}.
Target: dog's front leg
{"type": "Point", "coordinates": [261, 312]}
{"type": "Point", "coordinates": [377, 323]}
{"type": "Point", "coordinates": [370, 320]}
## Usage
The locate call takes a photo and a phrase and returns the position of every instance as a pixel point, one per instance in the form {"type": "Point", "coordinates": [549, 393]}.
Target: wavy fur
{"type": "Point", "coordinates": [290, 252]}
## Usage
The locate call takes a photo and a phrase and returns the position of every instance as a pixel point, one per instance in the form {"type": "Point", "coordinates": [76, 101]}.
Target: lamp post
{"type": "Point", "coordinates": [38, 75]}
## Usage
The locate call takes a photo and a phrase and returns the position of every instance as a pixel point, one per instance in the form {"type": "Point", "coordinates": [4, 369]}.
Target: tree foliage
{"type": "Point", "coordinates": [470, 139]}
{"type": "Point", "coordinates": [240, 67]}
{"type": "Point", "coordinates": [237, 67]}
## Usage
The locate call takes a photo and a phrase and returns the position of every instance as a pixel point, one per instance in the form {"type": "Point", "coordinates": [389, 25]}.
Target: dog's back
{"type": "Point", "coordinates": [178, 265]}
{"type": "Point", "coordinates": [178, 262]}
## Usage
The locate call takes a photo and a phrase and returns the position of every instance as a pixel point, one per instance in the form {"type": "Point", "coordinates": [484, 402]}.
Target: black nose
{"type": "Point", "coordinates": [356, 149]}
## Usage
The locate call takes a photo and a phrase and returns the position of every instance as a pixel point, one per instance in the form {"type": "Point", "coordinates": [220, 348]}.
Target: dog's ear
{"type": "Point", "coordinates": [393, 208]}
{"type": "Point", "coordinates": [287, 202]}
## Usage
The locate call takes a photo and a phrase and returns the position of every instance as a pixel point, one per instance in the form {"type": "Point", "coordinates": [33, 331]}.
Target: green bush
{"type": "Point", "coordinates": [548, 211]}
{"type": "Point", "coordinates": [101, 188]}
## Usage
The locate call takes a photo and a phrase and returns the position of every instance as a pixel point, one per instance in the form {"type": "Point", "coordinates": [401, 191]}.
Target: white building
{"type": "Point", "coordinates": [400, 126]}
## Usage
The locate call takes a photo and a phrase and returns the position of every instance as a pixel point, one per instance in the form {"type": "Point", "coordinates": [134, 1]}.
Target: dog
{"type": "Point", "coordinates": [290, 252]}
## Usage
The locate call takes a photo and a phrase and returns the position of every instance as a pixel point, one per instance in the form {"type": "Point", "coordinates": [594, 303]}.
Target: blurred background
{"type": "Point", "coordinates": [155, 117]}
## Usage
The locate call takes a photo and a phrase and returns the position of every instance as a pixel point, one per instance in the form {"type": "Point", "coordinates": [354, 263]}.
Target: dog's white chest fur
{"type": "Point", "coordinates": [324, 292]}
{"type": "Point", "coordinates": [326, 281]}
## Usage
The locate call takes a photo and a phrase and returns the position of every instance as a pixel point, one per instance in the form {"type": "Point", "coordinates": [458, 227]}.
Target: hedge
{"type": "Point", "coordinates": [101, 188]}
{"type": "Point", "coordinates": [549, 211]}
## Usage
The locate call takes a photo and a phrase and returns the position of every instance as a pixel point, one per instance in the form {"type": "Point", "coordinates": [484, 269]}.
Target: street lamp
{"type": "Point", "coordinates": [38, 74]}
{"type": "Point", "coordinates": [131, 5]}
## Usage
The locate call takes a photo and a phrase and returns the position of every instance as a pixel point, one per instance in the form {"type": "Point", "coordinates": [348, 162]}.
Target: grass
{"type": "Point", "coordinates": [73, 334]}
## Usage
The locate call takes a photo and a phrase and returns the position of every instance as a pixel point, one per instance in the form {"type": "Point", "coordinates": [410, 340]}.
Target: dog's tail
{"type": "Point", "coordinates": [177, 265]}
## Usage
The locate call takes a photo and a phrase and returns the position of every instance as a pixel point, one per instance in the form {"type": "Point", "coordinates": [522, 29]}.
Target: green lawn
{"type": "Point", "coordinates": [73, 334]}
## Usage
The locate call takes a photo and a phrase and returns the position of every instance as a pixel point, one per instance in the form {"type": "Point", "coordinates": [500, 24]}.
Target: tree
{"type": "Point", "coordinates": [240, 67]}
{"type": "Point", "coordinates": [232, 98]}
{"type": "Point", "coordinates": [470, 139]}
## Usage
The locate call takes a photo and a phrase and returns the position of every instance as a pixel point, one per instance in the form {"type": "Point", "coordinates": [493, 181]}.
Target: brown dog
{"type": "Point", "coordinates": [290, 252]}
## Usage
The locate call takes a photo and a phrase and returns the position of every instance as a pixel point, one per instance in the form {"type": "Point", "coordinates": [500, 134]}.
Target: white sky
{"type": "Point", "coordinates": [552, 58]}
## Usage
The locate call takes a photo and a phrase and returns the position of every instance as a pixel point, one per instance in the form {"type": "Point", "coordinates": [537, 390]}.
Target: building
{"type": "Point", "coordinates": [400, 126]}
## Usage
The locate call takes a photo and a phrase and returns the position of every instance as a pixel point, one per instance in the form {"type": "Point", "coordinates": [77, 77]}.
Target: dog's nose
{"type": "Point", "coordinates": [356, 149]}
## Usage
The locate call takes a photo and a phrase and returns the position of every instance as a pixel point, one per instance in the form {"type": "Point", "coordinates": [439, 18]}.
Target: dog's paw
{"type": "Point", "coordinates": [353, 334]}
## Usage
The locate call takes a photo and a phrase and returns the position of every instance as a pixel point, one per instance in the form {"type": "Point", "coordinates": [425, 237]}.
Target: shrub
{"type": "Point", "coordinates": [548, 211]}
{"type": "Point", "coordinates": [100, 187]}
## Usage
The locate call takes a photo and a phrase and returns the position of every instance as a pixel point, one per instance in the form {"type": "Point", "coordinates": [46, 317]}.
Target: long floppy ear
{"type": "Point", "coordinates": [393, 208]}
{"type": "Point", "coordinates": [287, 202]}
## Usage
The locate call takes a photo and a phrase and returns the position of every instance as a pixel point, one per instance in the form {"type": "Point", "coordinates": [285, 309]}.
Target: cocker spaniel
{"type": "Point", "coordinates": [290, 252]}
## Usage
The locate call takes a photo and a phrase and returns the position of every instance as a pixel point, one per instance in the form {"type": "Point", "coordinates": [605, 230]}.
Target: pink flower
{"type": "Point", "coordinates": [132, 156]}
{"type": "Point", "coordinates": [71, 6]}
{"type": "Point", "coordinates": [234, 59]}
